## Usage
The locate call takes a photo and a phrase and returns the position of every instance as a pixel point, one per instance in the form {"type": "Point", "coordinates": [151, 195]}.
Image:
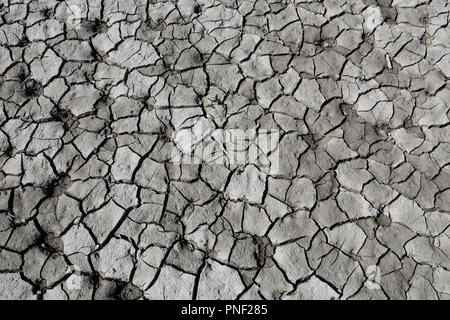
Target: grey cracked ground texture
{"type": "Point", "coordinates": [92, 92]}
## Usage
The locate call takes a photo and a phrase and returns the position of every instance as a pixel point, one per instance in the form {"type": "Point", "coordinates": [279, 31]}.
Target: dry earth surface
{"type": "Point", "coordinates": [93, 207]}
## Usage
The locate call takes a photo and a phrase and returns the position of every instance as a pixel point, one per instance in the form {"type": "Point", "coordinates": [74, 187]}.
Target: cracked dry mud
{"type": "Point", "coordinates": [91, 92]}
